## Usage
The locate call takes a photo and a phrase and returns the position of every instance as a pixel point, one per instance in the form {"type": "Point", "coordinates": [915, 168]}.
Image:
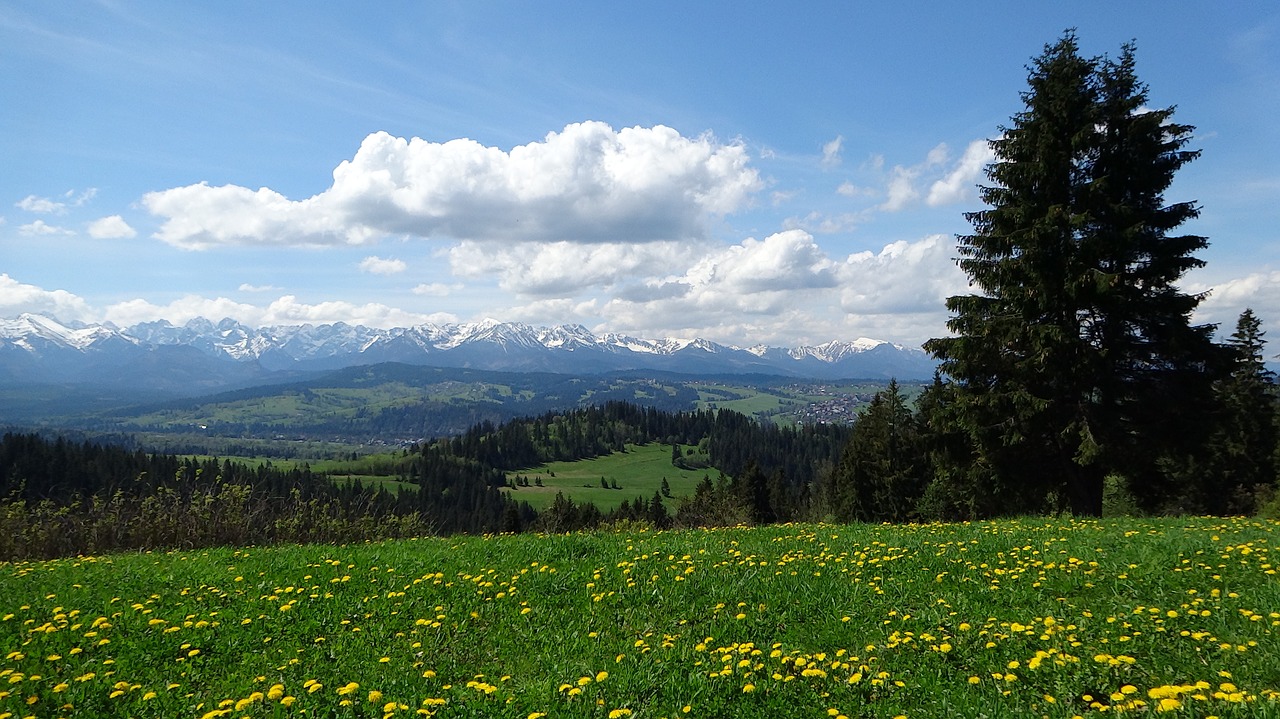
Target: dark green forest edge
{"type": "Point", "coordinates": [1074, 382]}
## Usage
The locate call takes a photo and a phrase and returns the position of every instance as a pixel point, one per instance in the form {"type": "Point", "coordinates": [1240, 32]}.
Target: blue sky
{"type": "Point", "coordinates": [745, 172]}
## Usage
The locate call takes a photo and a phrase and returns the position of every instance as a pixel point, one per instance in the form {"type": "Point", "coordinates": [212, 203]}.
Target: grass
{"type": "Point", "coordinates": [1053, 618]}
{"type": "Point", "coordinates": [638, 472]}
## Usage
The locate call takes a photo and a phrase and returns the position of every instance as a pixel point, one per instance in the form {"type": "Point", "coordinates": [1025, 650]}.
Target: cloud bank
{"type": "Point", "coordinates": [587, 183]}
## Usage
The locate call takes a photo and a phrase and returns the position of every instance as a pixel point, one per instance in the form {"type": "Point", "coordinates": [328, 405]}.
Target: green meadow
{"type": "Point", "coordinates": [638, 472]}
{"type": "Point", "coordinates": [1034, 617]}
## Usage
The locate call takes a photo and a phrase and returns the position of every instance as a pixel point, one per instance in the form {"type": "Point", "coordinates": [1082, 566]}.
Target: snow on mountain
{"type": "Point", "coordinates": [488, 344]}
{"type": "Point", "coordinates": [835, 350]}
{"type": "Point", "coordinates": [35, 333]}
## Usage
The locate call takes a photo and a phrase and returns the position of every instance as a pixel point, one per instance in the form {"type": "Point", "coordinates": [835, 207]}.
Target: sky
{"type": "Point", "coordinates": [746, 172]}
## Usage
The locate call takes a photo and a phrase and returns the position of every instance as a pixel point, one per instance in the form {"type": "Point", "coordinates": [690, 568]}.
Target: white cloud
{"type": "Point", "coordinates": [823, 224]}
{"type": "Point", "coordinates": [901, 191]}
{"type": "Point", "coordinates": [111, 228]}
{"type": "Point", "coordinates": [585, 184]}
{"type": "Point", "coordinates": [378, 266]}
{"type": "Point", "coordinates": [246, 287]}
{"type": "Point", "coordinates": [45, 205]}
{"type": "Point", "coordinates": [848, 189]}
{"type": "Point", "coordinates": [436, 289]}
{"type": "Point", "coordinates": [286, 310]}
{"type": "Point", "coordinates": [786, 290]}
{"type": "Point", "coordinates": [783, 289]}
{"type": "Point", "coordinates": [948, 186]}
{"type": "Point", "coordinates": [903, 278]}
{"type": "Point", "coordinates": [81, 199]}
{"type": "Point", "coordinates": [958, 184]}
{"type": "Point", "coordinates": [831, 152]}
{"type": "Point", "coordinates": [41, 228]}
{"type": "Point", "coordinates": [938, 155]}
{"type": "Point", "coordinates": [17, 298]}
{"type": "Point", "coordinates": [1227, 298]}
{"type": "Point", "coordinates": [42, 205]}
{"type": "Point", "coordinates": [564, 268]}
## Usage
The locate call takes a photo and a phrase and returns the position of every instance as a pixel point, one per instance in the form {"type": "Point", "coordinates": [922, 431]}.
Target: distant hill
{"type": "Point", "coordinates": [395, 403]}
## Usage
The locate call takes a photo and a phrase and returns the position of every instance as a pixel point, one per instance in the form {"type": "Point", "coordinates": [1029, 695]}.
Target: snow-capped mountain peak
{"type": "Point", "coordinates": [487, 344]}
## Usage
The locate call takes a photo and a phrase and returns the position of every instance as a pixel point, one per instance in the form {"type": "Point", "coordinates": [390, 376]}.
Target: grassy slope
{"type": "Point", "coordinates": [1031, 618]}
{"type": "Point", "coordinates": [638, 471]}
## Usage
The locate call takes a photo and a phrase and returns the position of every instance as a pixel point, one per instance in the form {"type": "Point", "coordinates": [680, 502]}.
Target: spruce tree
{"type": "Point", "coordinates": [1246, 433]}
{"type": "Point", "coordinates": [880, 476]}
{"type": "Point", "coordinates": [1076, 357]}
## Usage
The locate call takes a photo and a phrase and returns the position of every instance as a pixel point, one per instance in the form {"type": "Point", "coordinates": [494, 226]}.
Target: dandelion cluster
{"type": "Point", "coordinates": [1016, 618]}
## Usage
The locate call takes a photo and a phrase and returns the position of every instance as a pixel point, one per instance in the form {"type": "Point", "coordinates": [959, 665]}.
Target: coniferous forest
{"type": "Point", "coordinates": [1075, 380]}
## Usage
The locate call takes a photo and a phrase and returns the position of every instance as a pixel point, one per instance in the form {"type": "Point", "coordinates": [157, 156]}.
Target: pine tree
{"type": "Point", "coordinates": [1078, 359]}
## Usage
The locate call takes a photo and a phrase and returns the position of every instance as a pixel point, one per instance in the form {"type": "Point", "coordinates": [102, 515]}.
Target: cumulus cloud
{"type": "Point", "coordinates": [1227, 298]}
{"type": "Point", "coordinates": [565, 268]}
{"type": "Point", "coordinates": [785, 290]}
{"type": "Point", "coordinates": [587, 183]}
{"type": "Point", "coordinates": [111, 228]}
{"type": "Point", "coordinates": [903, 278]}
{"type": "Point", "coordinates": [831, 152]}
{"type": "Point", "coordinates": [41, 228]}
{"type": "Point", "coordinates": [378, 266]}
{"type": "Point", "coordinates": [958, 184]}
{"type": "Point", "coordinates": [17, 298]}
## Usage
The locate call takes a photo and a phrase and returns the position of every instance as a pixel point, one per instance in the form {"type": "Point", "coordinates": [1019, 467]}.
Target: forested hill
{"type": "Point", "coordinates": [59, 497]}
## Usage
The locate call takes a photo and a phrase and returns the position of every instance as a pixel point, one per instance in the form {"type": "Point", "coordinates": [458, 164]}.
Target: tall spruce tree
{"type": "Point", "coordinates": [1077, 358]}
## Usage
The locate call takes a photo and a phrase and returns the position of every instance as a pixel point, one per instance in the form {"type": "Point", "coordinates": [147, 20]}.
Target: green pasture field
{"type": "Point", "coordinates": [638, 471]}
{"type": "Point", "coordinates": [745, 400]}
{"type": "Point", "coordinates": [1055, 618]}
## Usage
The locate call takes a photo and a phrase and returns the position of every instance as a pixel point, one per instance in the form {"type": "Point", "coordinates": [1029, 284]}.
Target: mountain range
{"type": "Point", "coordinates": [203, 356]}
